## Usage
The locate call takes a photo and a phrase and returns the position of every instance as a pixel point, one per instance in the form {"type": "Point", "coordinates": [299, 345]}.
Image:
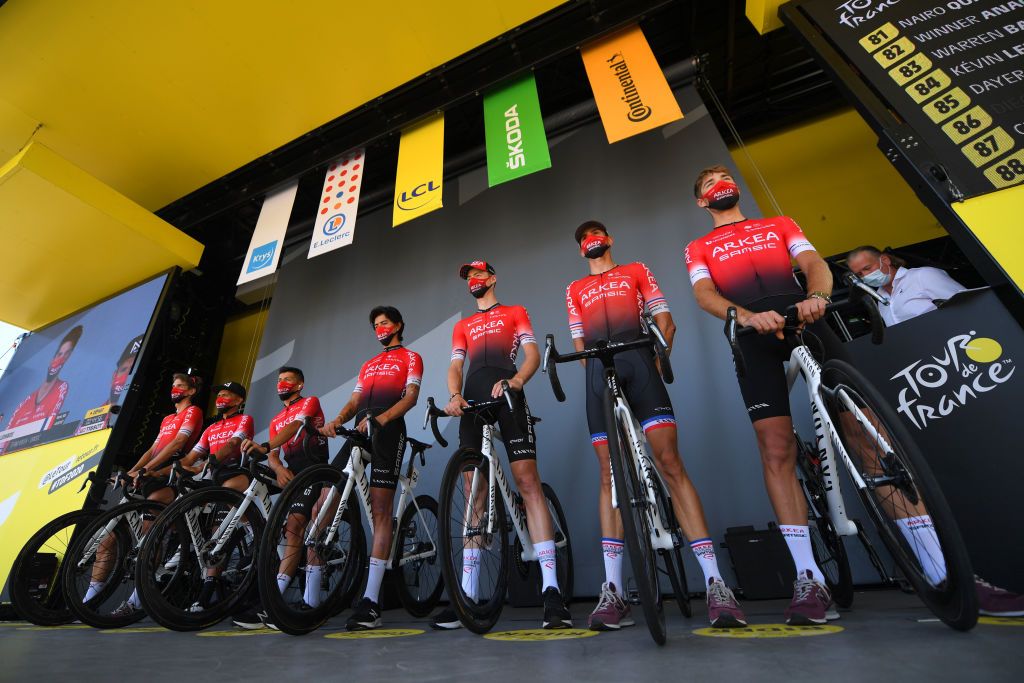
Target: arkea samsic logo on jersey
{"type": "Point", "coordinates": [967, 367]}
{"type": "Point", "coordinates": [417, 197]}
{"type": "Point", "coordinates": [638, 111]}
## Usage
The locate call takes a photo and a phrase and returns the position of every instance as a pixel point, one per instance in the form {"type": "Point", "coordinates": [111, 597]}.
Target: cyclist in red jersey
{"type": "Point", "coordinates": [607, 305]}
{"type": "Point", "coordinates": [45, 402]}
{"type": "Point", "coordinates": [387, 388]}
{"type": "Point", "coordinates": [224, 438]}
{"type": "Point", "coordinates": [288, 454]}
{"type": "Point", "coordinates": [491, 339]}
{"type": "Point", "coordinates": [746, 263]}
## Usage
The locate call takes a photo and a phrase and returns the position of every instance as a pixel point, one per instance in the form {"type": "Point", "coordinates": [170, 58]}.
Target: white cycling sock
{"type": "Point", "coordinates": [374, 579]}
{"type": "Point", "coordinates": [798, 539]}
{"type": "Point", "coordinates": [134, 601]}
{"type": "Point", "coordinates": [282, 582]}
{"type": "Point", "coordinates": [94, 588]}
{"type": "Point", "coordinates": [312, 596]}
{"type": "Point", "coordinates": [612, 549]}
{"type": "Point", "coordinates": [546, 556]}
{"type": "Point", "coordinates": [470, 571]}
{"type": "Point", "coordinates": [704, 550]}
{"type": "Point", "coordinates": [921, 536]}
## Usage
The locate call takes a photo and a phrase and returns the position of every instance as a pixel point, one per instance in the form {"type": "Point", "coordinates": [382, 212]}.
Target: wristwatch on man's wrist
{"type": "Point", "coordinates": [820, 295]}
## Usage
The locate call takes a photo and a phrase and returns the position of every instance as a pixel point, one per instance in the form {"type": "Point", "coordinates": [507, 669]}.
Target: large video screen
{"type": "Point", "coordinates": [64, 378]}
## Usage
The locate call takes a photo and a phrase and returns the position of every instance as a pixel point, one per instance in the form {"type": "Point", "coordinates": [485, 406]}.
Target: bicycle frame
{"type": "Point", "coordinates": [134, 525]}
{"type": "Point", "coordinates": [355, 468]}
{"type": "Point", "coordinates": [256, 490]}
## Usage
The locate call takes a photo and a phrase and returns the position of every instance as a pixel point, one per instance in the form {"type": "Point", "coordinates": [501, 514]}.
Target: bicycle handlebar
{"type": "Point", "coordinates": [433, 412]}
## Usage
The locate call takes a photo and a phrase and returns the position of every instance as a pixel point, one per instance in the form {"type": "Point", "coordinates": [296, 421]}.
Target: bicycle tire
{"type": "Point", "coordinates": [477, 616]}
{"type": "Point", "coordinates": [630, 489]}
{"type": "Point", "coordinates": [418, 583]}
{"type": "Point", "coordinates": [43, 604]}
{"type": "Point", "coordinates": [955, 601]}
{"type": "Point", "coordinates": [564, 568]}
{"type": "Point", "coordinates": [827, 545]}
{"type": "Point", "coordinates": [209, 504]}
{"type": "Point", "coordinates": [121, 580]}
{"type": "Point", "coordinates": [343, 559]}
{"type": "Point", "coordinates": [673, 559]}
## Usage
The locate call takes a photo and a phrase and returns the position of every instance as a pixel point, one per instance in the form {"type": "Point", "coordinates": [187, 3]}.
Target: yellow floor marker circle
{"type": "Point", "coordinates": [137, 629]}
{"type": "Point", "coordinates": [532, 635]}
{"type": "Point", "coordinates": [1001, 621]}
{"type": "Point", "coordinates": [769, 631]}
{"type": "Point", "coordinates": [65, 627]}
{"type": "Point", "coordinates": [983, 350]}
{"type": "Point", "coordinates": [375, 633]}
{"type": "Point", "coordinates": [232, 634]}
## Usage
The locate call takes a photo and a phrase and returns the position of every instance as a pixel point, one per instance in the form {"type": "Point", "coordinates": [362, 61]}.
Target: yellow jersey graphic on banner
{"type": "Point", "coordinates": [420, 176]}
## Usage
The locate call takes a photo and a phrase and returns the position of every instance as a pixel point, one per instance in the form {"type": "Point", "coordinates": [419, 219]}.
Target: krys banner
{"type": "Point", "coordinates": [420, 173]}
{"type": "Point", "coordinates": [630, 89]}
{"type": "Point", "coordinates": [335, 224]}
{"type": "Point", "coordinates": [514, 129]}
{"type": "Point", "coordinates": [268, 236]}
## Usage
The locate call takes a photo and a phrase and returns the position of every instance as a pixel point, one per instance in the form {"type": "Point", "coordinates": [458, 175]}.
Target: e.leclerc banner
{"type": "Point", "coordinates": [268, 237]}
{"type": "Point", "coordinates": [514, 129]}
{"type": "Point", "coordinates": [335, 224]}
{"type": "Point", "coordinates": [418, 181]}
{"type": "Point", "coordinates": [630, 89]}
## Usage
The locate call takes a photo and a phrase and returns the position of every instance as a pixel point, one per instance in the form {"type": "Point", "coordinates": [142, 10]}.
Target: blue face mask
{"type": "Point", "coordinates": [877, 278]}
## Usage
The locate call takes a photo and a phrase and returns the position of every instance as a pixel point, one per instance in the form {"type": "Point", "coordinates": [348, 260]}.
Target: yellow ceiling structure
{"type": "Point", "coordinates": [131, 105]}
{"type": "Point", "coordinates": [156, 99]}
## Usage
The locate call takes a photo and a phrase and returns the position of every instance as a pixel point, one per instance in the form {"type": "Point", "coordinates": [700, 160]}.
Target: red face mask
{"type": "Point", "coordinates": [722, 195]}
{"type": "Point", "coordinates": [177, 394]}
{"type": "Point", "coordinates": [285, 389]}
{"type": "Point", "coordinates": [223, 404]}
{"type": "Point", "coordinates": [56, 365]}
{"type": "Point", "coordinates": [594, 246]}
{"type": "Point", "coordinates": [384, 333]}
{"type": "Point", "coordinates": [119, 383]}
{"type": "Point", "coordinates": [478, 286]}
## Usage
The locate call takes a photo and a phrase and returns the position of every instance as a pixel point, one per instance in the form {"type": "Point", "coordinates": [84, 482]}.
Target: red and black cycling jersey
{"type": "Point", "coordinates": [188, 422]}
{"type": "Point", "coordinates": [492, 337]}
{"type": "Point", "coordinates": [608, 306]}
{"type": "Point", "coordinates": [29, 410]}
{"type": "Point", "coordinates": [383, 378]}
{"type": "Point", "coordinates": [308, 406]}
{"type": "Point", "coordinates": [215, 436]}
{"type": "Point", "coordinates": [749, 260]}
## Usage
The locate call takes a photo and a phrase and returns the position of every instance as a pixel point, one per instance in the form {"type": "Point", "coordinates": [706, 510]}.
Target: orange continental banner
{"type": "Point", "coordinates": [630, 89]}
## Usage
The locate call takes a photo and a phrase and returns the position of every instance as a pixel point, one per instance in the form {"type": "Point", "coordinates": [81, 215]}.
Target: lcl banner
{"type": "Point", "coordinates": [630, 89]}
{"type": "Point", "coordinates": [268, 237]}
{"type": "Point", "coordinates": [420, 174]}
{"type": "Point", "coordinates": [514, 130]}
{"type": "Point", "coordinates": [335, 224]}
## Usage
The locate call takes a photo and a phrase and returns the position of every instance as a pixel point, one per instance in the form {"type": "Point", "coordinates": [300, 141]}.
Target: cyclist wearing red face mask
{"type": "Point", "coordinates": [44, 403]}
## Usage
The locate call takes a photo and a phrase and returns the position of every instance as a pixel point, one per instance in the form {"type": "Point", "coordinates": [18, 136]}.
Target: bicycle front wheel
{"type": "Point", "coordinates": [631, 494]}
{"type": "Point", "coordinates": [417, 575]}
{"type": "Point", "coordinates": [902, 496]}
{"type": "Point", "coordinates": [469, 529]}
{"type": "Point", "coordinates": [324, 565]}
{"type": "Point", "coordinates": [99, 581]}
{"type": "Point", "coordinates": [36, 583]}
{"type": "Point", "coordinates": [673, 559]}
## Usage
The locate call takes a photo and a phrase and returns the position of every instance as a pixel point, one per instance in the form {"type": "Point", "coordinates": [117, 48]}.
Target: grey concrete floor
{"type": "Point", "coordinates": [888, 636]}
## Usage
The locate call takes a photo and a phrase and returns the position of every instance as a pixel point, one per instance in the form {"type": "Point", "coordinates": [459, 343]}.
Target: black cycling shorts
{"type": "Point", "coordinates": [386, 459]}
{"type": "Point", "coordinates": [151, 484]}
{"type": "Point", "coordinates": [764, 388]}
{"type": "Point", "coordinates": [642, 386]}
{"type": "Point", "coordinates": [303, 505]}
{"type": "Point", "coordinates": [515, 425]}
{"type": "Point", "coordinates": [222, 472]}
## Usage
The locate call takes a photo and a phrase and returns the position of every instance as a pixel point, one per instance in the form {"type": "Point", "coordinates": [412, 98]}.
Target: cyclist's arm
{"type": "Point", "coordinates": [578, 344]}
{"type": "Point", "coordinates": [142, 460]}
{"type": "Point", "coordinates": [531, 361]}
{"type": "Point", "coordinates": [455, 376]}
{"type": "Point", "coordinates": [708, 298]}
{"type": "Point", "coordinates": [404, 405]}
{"type": "Point", "coordinates": [667, 326]}
{"type": "Point", "coordinates": [194, 454]}
{"type": "Point", "coordinates": [819, 279]}
{"type": "Point", "coordinates": [170, 449]}
{"type": "Point", "coordinates": [346, 414]}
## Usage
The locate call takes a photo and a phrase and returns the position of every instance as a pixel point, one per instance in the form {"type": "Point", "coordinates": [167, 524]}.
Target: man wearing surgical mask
{"type": "Point", "coordinates": [911, 291]}
{"type": "Point", "coordinates": [46, 401]}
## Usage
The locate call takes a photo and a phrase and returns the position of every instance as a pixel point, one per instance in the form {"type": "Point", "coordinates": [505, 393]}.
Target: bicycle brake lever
{"type": "Point", "coordinates": [507, 393]}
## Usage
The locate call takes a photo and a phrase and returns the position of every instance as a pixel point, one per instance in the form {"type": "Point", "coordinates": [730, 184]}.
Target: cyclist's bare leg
{"type": "Point", "coordinates": [685, 500]}
{"type": "Point", "coordinates": [538, 516]}
{"type": "Point", "coordinates": [381, 505]}
{"type": "Point", "coordinates": [476, 514]}
{"type": "Point", "coordinates": [777, 445]}
{"type": "Point", "coordinates": [293, 538]}
{"type": "Point", "coordinates": [611, 522]}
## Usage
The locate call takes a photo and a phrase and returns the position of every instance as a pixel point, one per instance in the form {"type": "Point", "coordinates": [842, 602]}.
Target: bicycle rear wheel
{"type": "Point", "coordinates": [284, 549]}
{"type": "Point", "coordinates": [902, 496]}
{"type": "Point", "coordinates": [633, 508]}
{"type": "Point", "coordinates": [563, 551]}
{"type": "Point", "coordinates": [417, 573]}
{"type": "Point", "coordinates": [36, 583]}
{"type": "Point", "coordinates": [104, 554]}
{"type": "Point", "coordinates": [826, 545]}
{"type": "Point", "coordinates": [194, 526]}
{"type": "Point", "coordinates": [673, 559]}
{"type": "Point", "coordinates": [464, 524]}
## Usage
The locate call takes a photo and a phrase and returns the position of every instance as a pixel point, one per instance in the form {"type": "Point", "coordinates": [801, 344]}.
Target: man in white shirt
{"type": "Point", "coordinates": [911, 291]}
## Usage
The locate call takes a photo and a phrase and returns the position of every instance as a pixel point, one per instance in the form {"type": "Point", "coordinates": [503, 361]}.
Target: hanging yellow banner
{"type": "Point", "coordinates": [420, 170]}
{"type": "Point", "coordinates": [630, 89]}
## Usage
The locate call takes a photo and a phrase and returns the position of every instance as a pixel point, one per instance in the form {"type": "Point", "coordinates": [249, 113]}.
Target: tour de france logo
{"type": "Point", "coordinates": [967, 368]}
